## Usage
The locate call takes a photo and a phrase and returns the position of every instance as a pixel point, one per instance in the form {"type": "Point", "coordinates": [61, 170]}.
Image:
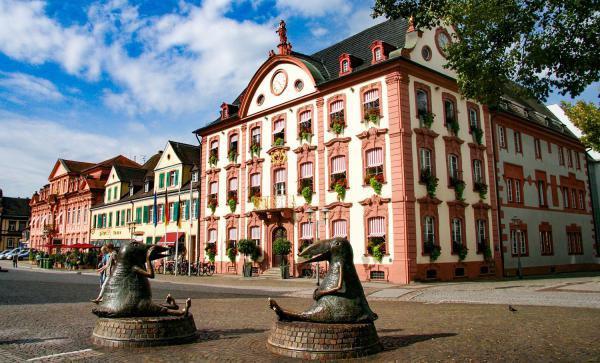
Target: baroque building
{"type": "Point", "coordinates": [60, 210]}
{"type": "Point", "coordinates": [158, 201]}
{"type": "Point", "coordinates": [367, 139]}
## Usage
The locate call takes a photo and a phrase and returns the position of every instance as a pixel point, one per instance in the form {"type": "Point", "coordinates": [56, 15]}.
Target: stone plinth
{"type": "Point", "coordinates": [144, 332]}
{"type": "Point", "coordinates": [318, 341]}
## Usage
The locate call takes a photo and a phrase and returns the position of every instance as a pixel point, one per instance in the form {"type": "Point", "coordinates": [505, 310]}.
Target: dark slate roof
{"type": "Point", "coordinates": [188, 154]}
{"type": "Point", "coordinates": [75, 166]}
{"type": "Point", "coordinates": [151, 164]}
{"type": "Point", "coordinates": [15, 207]}
{"type": "Point", "coordinates": [127, 174]}
{"type": "Point", "coordinates": [117, 160]}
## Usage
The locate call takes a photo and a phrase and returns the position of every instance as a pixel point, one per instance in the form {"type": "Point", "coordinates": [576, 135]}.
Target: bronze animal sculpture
{"type": "Point", "coordinates": [128, 292]}
{"type": "Point", "coordinates": [340, 297]}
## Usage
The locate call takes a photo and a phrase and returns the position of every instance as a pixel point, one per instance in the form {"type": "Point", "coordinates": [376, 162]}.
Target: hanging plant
{"type": "Point", "coordinates": [478, 135]}
{"type": "Point", "coordinates": [340, 190]}
{"type": "Point", "coordinates": [376, 185]}
{"type": "Point", "coordinates": [454, 127]}
{"type": "Point", "coordinates": [376, 248]}
{"type": "Point", "coordinates": [433, 250]}
{"type": "Point", "coordinates": [427, 119]}
{"type": "Point", "coordinates": [279, 141]}
{"type": "Point", "coordinates": [232, 204]}
{"type": "Point", "coordinates": [462, 252]}
{"type": "Point", "coordinates": [307, 193]}
{"type": "Point", "coordinates": [213, 160]}
{"type": "Point", "coordinates": [232, 156]}
{"type": "Point", "coordinates": [232, 254]}
{"type": "Point", "coordinates": [255, 149]}
{"type": "Point", "coordinates": [487, 253]}
{"type": "Point", "coordinates": [459, 189]}
{"type": "Point", "coordinates": [482, 189]}
{"type": "Point", "coordinates": [211, 252]}
{"type": "Point", "coordinates": [372, 115]}
{"type": "Point", "coordinates": [431, 182]}
{"type": "Point", "coordinates": [212, 205]}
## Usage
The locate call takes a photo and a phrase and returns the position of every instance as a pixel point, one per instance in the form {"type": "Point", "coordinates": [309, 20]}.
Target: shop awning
{"type": "Point", "coordinates": [50, 245]}
{"type": "Point", "coordinates": [170, 238]}
{"type": "Point", "coordinates": [81, 246]}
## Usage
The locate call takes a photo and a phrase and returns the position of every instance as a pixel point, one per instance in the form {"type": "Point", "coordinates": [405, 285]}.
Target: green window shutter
{"type": "Point", "coordinates": [95, 220]}
{"type": "Point", "coordinates": [108, 200]}
{"type": "Point", "coordinates": [148, 240]}
{"type": "Point", "coordinates": [156, 239]}
{"type": "Point", "coordinates": [145, 214]}
{"type": "Point", "coordinates": [110, 219]}
{"type": "Point", "coordinates": [138, 215]}
{"type": "Point", "coordinates": [187, 210]}
{"type": "Point", "coordinates": [176, 211]}
{"type": "Point", "coordinates": [117, 219]}
{"type": "Point", "coordinates": [129, 215]}
{"type": "Point", "coordinates": [116, 195]}
{"type": "Point", "coordinates": [168, 176]}
{"type": "Point", "coordinates": [162, 215]}
{"type": "Point", "coordinates": [123, 217]}
{"type": "Point", "coordinates": [176, 177]}
{"type": "Point", "coordinates": [197, 208]}
{"type": "Point", "coordinates": [161, 180]}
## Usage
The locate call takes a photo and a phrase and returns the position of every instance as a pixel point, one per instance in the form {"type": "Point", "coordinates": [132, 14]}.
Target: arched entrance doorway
{"type": "Point", "coordinates": [279, 232]}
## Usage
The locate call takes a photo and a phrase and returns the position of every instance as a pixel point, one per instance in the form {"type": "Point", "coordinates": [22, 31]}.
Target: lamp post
{"type": "Point", "coordinates": [131, 226]}
{"type": "Point", "coordinates": [517, 223]}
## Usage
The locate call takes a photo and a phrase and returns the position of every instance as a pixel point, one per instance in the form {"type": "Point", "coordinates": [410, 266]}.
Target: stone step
{"type": "Point", "coordinates": [272, 273]}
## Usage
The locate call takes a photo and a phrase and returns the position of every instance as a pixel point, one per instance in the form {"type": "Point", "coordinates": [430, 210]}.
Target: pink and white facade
{"type": "Point", "coordinates": [344, 116]}
{"type": "Point", "coordinates": [60, 211]}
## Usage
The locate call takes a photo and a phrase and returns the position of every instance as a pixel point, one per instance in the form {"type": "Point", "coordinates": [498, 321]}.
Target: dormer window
{"type": "Point", "coordinates": [224, 111]}
{"type": "Point", "coordinates": [195, 177]}
{"type": "Point", "coordinates": [146, 187]}
{"type": "Point", "coordinates": [131, 191]}
{"type": "Point", "coordinates": [379, 51]}
{"type": "Point", "coordinates": [345, 64]}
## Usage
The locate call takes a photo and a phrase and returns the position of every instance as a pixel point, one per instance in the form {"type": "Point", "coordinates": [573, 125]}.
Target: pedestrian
{"type": "Point", "coordinates": [15, 258]}
{"type": "Point", "coordinates": [103, 260]}
{"type": "Point", "coordinates": [108, 270]}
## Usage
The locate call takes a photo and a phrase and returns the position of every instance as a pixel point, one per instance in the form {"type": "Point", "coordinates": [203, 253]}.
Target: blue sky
{"type": "Point", "coordinates": [87, 80]}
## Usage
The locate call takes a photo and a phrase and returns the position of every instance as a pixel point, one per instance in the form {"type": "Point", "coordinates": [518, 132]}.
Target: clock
{"type": "Point", "coordinates": [442, 40]}
{"type": "Point", "coordinates": [279, 82]}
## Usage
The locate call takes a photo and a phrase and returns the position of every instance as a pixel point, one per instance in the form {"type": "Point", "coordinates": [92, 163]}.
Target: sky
{"type": "Point", "coordinates": [88, 80]}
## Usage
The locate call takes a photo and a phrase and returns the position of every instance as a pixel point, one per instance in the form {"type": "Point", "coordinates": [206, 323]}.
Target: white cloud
{"type": "Point", "coordinates": [29, 147]}
{"type": "Point", "coordinates": [361, 19]}
{"type": "Point", "coordinates": [20, 85]}
{"type": "Point", "coordinates": [313, 8]}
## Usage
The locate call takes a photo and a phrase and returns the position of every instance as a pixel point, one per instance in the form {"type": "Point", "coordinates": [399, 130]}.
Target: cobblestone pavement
{"type": "Point", "coordinates": [45, 317]}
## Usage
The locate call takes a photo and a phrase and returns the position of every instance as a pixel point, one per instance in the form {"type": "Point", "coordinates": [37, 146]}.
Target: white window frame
{"type": "Point", "coordinates": [425, 155]}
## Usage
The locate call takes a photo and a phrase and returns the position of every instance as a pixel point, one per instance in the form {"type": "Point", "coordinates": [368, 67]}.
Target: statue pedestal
{"type": "Point", "coordinates": [144, 331]}
{"type": "Point", "coordinates": [318, 341]}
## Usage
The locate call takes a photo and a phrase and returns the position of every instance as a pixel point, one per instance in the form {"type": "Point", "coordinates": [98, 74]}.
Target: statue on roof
{"type": "Point", "coordinates": [285, 47]}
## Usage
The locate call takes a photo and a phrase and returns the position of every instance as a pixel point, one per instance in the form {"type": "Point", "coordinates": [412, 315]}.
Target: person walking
{"type": "Point", "coordinates": [107, 269]}
{"type": "Point", "coordinates": [103, 260]}
{"type": "Point", "coordinates": [15, 258]}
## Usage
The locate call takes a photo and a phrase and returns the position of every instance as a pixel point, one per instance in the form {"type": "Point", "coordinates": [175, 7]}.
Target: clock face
{"type": "Point", "coordinates": [443, 40]}
{"type": "Point", "coordinates": [279, 82]}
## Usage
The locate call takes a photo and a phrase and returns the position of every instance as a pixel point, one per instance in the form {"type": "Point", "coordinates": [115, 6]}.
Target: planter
{"type": "Point", "coordinates": [247, 270]}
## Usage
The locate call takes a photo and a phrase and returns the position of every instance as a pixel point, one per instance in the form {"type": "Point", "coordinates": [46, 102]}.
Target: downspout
{"type": "Point", "coordinates": [199, 188]}
{"type": "Point", "coordinates": [499, 219]}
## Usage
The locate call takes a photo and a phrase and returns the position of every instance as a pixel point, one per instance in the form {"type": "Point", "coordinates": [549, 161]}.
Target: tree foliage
{"type": "Point", "coordinates": [586, 116]}
{"type": "Point", "coordinates": [537, 45]}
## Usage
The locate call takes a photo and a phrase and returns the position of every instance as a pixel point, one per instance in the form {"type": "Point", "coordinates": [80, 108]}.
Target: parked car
{"type": "Point", "coordinates": [8, 255]}
{"type": "Point", "coordinates": [3, 252]}
{"type": "Point", "coordinates": [24, 254]}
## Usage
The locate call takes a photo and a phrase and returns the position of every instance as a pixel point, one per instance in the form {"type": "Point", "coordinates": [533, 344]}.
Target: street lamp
{"type": "Point", "coordinates": [131, 226]}
{"type": "Point", "coordinates": [517, 223]}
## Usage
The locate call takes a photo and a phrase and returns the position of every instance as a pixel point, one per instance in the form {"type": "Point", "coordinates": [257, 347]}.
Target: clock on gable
{"type": "Point", "coordinates": [279, 82]}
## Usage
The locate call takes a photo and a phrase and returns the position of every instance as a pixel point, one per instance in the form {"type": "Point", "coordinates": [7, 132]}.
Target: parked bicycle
{"type": "Point", "coordinates": [206, 268]}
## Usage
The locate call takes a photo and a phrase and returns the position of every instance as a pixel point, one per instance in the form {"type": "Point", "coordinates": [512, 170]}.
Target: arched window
{"type": "Point", "coordinates": [340, 228]}
{"type": "Point", "coordinates": [306, 176]}
{"type": "Point", "coordinates": [374, 165]}
{"type": "Point", "coordinates": [338, 171]}
{"type": "Point", "coordinates": [280, 177]}
{"type": "Point", "coordinates": [453, 167]}
{"type": "Point", "coordinates": [345, 66]}
{"type": "Point", "coordinates": [429, 229]}
{"type": "Point", "coordinates": [232, 238]}
{"type": "Point", "coordinates": [422, 103]}
{"type": "Point", "coordinates": [305, 125]}
{"type": "Point", "coordinates": [449, 112]}
{"type": "Point", "coordinates": [337, 121]}
{"type": "Point", "coordinates": [233, 147]}
{"type": "Point", "coordinates": [477, 171]}
{"type": "Point", "coordinates": [255, 234]}
{"type": "Point", "coordinates": [213, 155]}
{"type": "Point", "coordinates": [473, 118]}
{"type": "Point", "coordinates": [425, 159]}
{"type": "Point", "coordinates": [371, 110]}
{"type": "Point", "coordinates": [254, 190]}
{"type": "Point", "coordinates": [279, 132]}
{"type": "Point", "coordinates": [456, 234]}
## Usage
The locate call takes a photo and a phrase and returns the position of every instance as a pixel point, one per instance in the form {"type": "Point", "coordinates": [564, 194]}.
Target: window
{"type": "Point", "coordinates": [577, 160]}
{"type": "Point", "coordinates": [305, 125]}
{"type": "Point", "coordinates": [194, 177]}
{"type": "Point", "coordinates": [195, 209]}
{"type": "Point", "coordinates": [255, 234]}
{"type": "Point", "coordinates": [581, 201]}
{"type": "Point", "coordinates": [574, 243]}
{"type": "Point", "coordinates": [233, 189]}
{"type": "Point", "coordinates": [233, 147]}
{"type": "Point", "coordinates": [371, 104]}
{"type": "Point", "coordinates": [518, 245]}
{"type": "Point", "coordinates": [340, 228]}
{"type": "Point", "coordinates": [429, 229]}
{"type": "Point", "coordinates": [232, 240]}
{"type": "Point", "coordinates": [374, 165]}
{"type": "Point", "coordinates": [377, 54]}
{"type": "Point", "coordinates": [473, 119]}
{"type": "Point", "coordinates": [254, 186]}
{"type": "Point", "coordinates": [212, 236]}
{"type": "Point", "coordinates": [279, 132]}
{"type": "Point", "coordinates": [213, 156]}
{"type": "Point", "coordinates": [566, 197]}
{"type": "Point", "coordinates": [146, 187]}
{"type": "Point", "coordinates": [518, 146]}
{"type": "Point", "coordinates": [338, 171]}
{"type": "Point", "coordinates": [10, 243]}
{"type": "Point", "coordinates": [546, 246]}
{"type": "Point", "coordinates": [453, 167]}
{"type": "Point", "coordinates": [173, 178]}
{"type": "Point", "coordinates": [306, 176]}
{"type": "Point", "coordinates": [376, 234]}
{"type": "Point", "coordinates": [425, 157]}
{"type": "Point", "coordinates": [481, 226]}
{"type": "Point", "coordinates": [306, 231]}
{"type": "Point", "coordinates": [213, 191]}
{"type": "Point", "coordinates": [255, 135]}
{"type": "Point", "coordinates": [336, 115]}
{"type": "Point", "coordinates": [422, 103]}
{"type": "Point", "coordinates": [345, 66]}
{"type": "Point", "coordinates": [172, 211]}
{"type": "Point", "coordinates": [538, 148]}
{"type": "Point", "coordinates": [279, 185]}
{"type": "Point", "coordinates": [449, 112]}
{"type": "Point", "coordinates": [561, 156]}
{"type": "Point", "coordinates": [570, 158]}
{"type": "Point", "coordinates": [573, 199]}
{"type": "Point", "coordinates": [118, 219]}
{"type": "Point", "coordinates": [502, 137]}
{"type": "Point", "coordinates": [517, 191]}
{"type": "Point", "coordinates": [456, 234]}
{"type": "Point", "coordinates": [477, 171]}
{"type": "Point", "coordinates": [541, 192]}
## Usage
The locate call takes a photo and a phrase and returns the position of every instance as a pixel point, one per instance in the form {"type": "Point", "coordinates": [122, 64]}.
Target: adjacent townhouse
{"type": "Point", "coordinates": [60, 210]}
{"type": "Point", "coordinates": [367, 139]}
{"type": "Point", "coordinates": [546, 219]}
{"type": "Point", "coordinates": [14, 219]}
{"type": "Point", "coordinates": [157, 202]}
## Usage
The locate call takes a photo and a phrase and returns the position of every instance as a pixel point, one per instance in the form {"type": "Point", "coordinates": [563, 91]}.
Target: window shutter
{"type": "Point", "coordinates": [176, 211]}
{"type": "Point", "coordinates": [176, 177]}
{"type": "Point", "coordinates": [123, 217]}
{"type": "Point", "coordinates": [168, 176]}
{"type": "Point", "coordinates": [187, 209]}
{"type": "Point", "coordinates": [161, 180]}
{"type": "Point", "coordinates": [145, 214]}
{"type": "Point", "coordinates": [196, 208]}
{"type": "Point", "coordinates": [95, 222]}
{"type": "Point", "coordinates": [110, 219]}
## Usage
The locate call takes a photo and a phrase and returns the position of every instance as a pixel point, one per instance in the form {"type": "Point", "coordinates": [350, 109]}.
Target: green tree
{"type": "Point", "coordinates": [536, 45]}
{"type": "Point", "coordinates": [586, 116]}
